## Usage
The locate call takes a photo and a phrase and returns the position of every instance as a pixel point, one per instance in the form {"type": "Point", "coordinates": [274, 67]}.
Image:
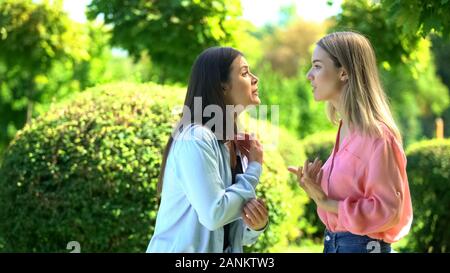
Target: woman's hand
{"type": "Point", "coordinates": [242, 141]}
{"type": "Point", "coordinates": [309, 178]}
{"type": "Point", "coordinates": [250, 147]}
{"type": "Point", "coordinates": [255, 214]}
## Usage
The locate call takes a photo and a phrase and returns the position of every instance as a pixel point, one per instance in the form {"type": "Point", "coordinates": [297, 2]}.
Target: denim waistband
{"type": "Point", "coordinates": [348, 238]}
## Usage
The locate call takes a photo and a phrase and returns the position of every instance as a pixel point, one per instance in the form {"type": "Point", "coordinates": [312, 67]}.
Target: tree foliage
{"type": "Point", "coordinates": [43, 57]}
{"type": "Point", "coordinates": [171, 32]}
{"type": "Point", "coordinates": [419, 16]}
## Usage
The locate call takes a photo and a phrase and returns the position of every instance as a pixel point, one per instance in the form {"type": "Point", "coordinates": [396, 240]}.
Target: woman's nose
{"type": "Point", "coordinates": [255, 79]}
{"type": "Point", "coordinates": [309, 75]}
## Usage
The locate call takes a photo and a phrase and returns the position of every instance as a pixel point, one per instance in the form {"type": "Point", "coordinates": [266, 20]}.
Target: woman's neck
{"type": "Point", "coordinates": [338, 106]}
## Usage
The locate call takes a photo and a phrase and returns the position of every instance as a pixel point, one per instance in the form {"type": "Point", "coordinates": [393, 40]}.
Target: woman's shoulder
{"type": "Point", "coordinates": [386, 136]}
{"type": "Point", "coordinates": [383, 135]}
{"type": "Point", "coordinates": [195, 135]}
{"type": "Point", "coordinates": [366, 144]}
{"type": "Point", "coordinates": [194, 132]}
{"type": "Point", "coordinates": [388, 143]}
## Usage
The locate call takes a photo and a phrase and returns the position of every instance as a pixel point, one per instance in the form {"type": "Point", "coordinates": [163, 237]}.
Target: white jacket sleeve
{"type": "Point", "coordinates": [198, 166]}
{"type": "Point", "coordinates": [249, 235]}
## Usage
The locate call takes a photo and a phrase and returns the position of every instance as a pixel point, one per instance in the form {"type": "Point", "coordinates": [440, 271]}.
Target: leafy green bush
{"type": "Point", "coordinates": [319, 145]}
{"type": "Point", "coordinates": [429, 179]}
{"type": "Point", "coordinates": [87, 171]}
{"type": "Point", "coordinates": [316, 145]}
{"type": "Point", "coordinates": [293, 152]}
{"type": "Point", "coordinates": [291, 148]}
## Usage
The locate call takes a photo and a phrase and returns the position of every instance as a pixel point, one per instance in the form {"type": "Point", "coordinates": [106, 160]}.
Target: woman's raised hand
{"type": "Point", "coordinates": [309, 178]}
{"type": "Point", "coordinates": [250, 147]}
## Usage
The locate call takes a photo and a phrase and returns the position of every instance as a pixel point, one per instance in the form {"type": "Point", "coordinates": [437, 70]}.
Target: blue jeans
{"type": "Point", "coordinates": [346, 242]}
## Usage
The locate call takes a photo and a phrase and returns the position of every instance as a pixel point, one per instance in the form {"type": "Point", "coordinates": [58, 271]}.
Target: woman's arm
{"type": "Point", "coordinates": [198, 171]}
{"type": "Point", "coordinates": [329, 205]}
{"type": "Point", "coordinates": [384, 190]}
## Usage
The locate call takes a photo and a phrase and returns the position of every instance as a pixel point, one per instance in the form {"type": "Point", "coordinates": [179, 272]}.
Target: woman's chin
{"type": "Point", "coordinates": [255, 100]}
{"type": "Point", "coordinates": [317, 97]}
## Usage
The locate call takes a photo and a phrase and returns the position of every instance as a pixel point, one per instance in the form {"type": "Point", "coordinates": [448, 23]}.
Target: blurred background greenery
{"type": "Point", "coordinates": [54, 141]}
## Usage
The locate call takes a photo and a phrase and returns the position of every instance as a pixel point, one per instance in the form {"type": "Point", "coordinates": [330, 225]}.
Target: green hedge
{"type": "Point", "coordinates": [291, 148]}
{"type": "Point", "coordinates": [316, 145]}
{"type": "Point", "coordinates": [87, 170]}
{"type": "Point", "coordinates": [293, 152]}
{"type": "Point", "coordinates": [319, 145]}
{"type": "Point", "coordinates": [429, 179]}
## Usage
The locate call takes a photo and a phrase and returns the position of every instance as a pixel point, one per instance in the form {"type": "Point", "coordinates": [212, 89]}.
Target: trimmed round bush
{"type": "Point", "coordinates": [429, 180]}
{"type": "Point", "coordinates": [87, 171]}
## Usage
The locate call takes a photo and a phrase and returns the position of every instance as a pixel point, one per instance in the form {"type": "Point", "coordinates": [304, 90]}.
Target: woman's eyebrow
{"type": "Point", "coordinates": [317, 61]}
{"type": "Point", "coordinates": [244, 66]}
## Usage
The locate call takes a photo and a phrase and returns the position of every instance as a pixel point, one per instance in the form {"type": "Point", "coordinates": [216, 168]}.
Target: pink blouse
{"type": "Point", "coordinates": [367, 176]}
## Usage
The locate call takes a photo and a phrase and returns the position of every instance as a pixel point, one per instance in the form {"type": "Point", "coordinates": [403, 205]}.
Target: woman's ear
{"type": "Point", "coordinates": [344, 75]}
{"type": "Point", "coordinates": [225, 88]}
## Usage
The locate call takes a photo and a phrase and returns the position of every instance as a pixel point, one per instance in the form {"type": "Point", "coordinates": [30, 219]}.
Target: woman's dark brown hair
{"type": "Point", "coordinates": [210, 71]}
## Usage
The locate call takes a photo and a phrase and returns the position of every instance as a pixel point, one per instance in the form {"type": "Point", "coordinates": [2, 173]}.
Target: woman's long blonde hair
{"type": "Point", "coordinates": [363, 102]}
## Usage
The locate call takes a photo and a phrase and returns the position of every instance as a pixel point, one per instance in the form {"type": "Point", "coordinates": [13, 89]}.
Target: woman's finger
{"type": "Point", "coordinates": [244, 151]}
{"type": "Point", "coordinates": [263, 204]}
{"type": "Point", "coordinates": [249, 215]}
{"type": "Point", "coordinates": [319, 177]}
{"type": "Point", "coordinates": [249, 210]}
{"type": "Point", "coordinates": [260, 214]}
{"type": "Point", "coordinates": [301, 182]}
{"type": "Point", "coordinates": [247, 220]}
{"type": "Point", "coordinates": [305, 168]}
{"type": "Point", "coordinates": [316, 165]}
{"type": "Point", "coordinates": [316, 160]}
{"type": "Point", "coordinates": [253, 208]}
{"type": "Point", "coordinates": [300, 173]}
{"type": "Point", "coordinates": [262, 210]}
{"type": "Point", "coordinates": [293, 169]}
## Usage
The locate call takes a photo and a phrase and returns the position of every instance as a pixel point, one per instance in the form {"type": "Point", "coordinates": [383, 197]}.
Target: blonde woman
{"type": "Point", "coordinates": [361, 191]}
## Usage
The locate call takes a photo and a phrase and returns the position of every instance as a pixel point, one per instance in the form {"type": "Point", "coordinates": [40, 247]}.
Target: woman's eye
{"type": "Point", "coordinates": [316, 66]}
{"type": "Point", "coordinates": [245, 74]}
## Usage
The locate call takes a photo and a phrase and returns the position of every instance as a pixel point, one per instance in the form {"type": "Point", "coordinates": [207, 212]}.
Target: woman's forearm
{"type": "Point", "coordinates": [329, 205]}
